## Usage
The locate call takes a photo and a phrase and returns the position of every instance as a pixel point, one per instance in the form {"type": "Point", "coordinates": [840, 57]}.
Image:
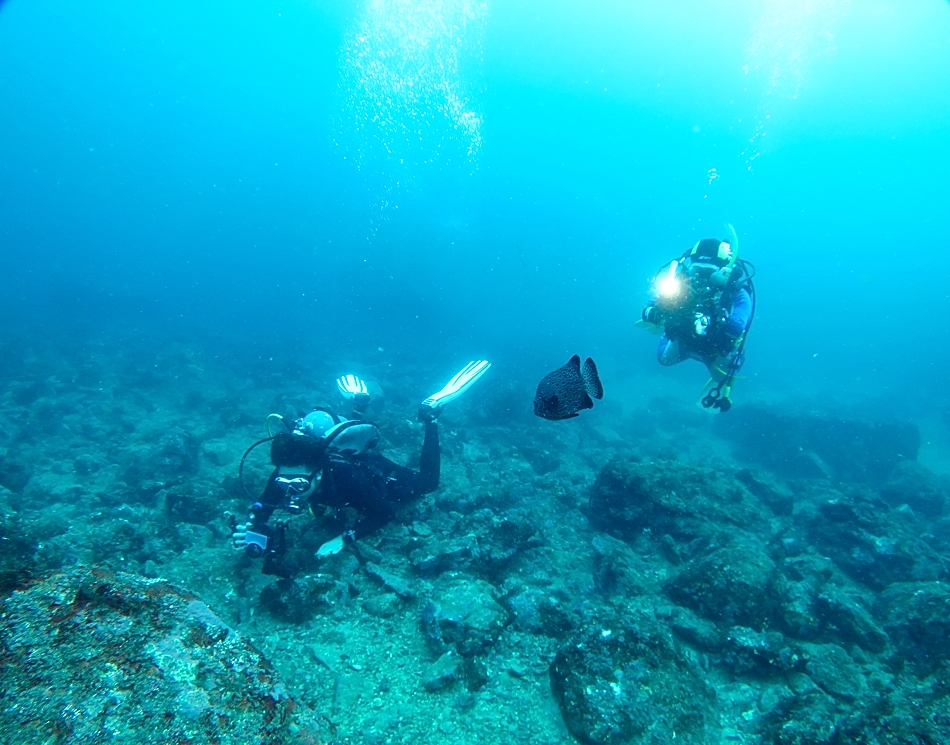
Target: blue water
{"type": "Point", "coordinates": [234, 173]}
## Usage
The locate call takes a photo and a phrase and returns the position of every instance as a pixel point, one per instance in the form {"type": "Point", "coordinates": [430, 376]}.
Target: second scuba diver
{"type": "Point", "coordinates": [325, 460]}
{"type": "Point", "coordinates": [703, 303]}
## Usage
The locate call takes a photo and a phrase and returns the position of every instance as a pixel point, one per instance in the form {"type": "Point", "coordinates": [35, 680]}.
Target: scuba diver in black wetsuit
{"type": "Point", "coordinates": [703, 304]}
{"type": "Point", "coordinates": [323, 460]}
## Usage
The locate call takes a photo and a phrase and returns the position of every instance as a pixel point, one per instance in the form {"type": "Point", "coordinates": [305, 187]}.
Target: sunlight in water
{"type": "Point", "coordinates": [787, 36]}
{"type": "Point", "coordinates": [406, 96]}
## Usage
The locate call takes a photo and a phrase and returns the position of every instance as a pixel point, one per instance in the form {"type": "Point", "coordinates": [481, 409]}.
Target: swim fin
{"type": "Point", "coordinates": [460, 383]}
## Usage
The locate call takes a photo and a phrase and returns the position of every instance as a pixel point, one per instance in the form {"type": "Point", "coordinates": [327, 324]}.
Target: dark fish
{"type": "Point", "coordinates": [567, 390]}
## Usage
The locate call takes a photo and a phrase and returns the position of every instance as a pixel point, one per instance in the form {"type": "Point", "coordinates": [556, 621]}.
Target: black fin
{"type": "Point", "coordinates": [574, 363]}
{"type": "Point", "coordinates": [592, 380]}
{"type": "Point", "coordinates": [586, 402]}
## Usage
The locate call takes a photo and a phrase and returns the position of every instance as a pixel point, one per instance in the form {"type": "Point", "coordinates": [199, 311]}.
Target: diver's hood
{"type": "Point", "coordinates": [713, 251]}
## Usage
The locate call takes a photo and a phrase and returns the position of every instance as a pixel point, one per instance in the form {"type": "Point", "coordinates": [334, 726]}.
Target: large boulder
{"type": "Point", "coordinates": [731, 586]}
{"type": "Point", "coordinates": [918, 487]}
{"type": "Point", "coordinates": [671, 498]}
{"type": "Point", "coordinates": [873, 544]}
{"type": "Point", "coordinates": [916, 616]}
{"type": "Point", "coordinates": [812, 718]}
{"type": "Point", "coordinates": [463, 614]}
{"type": "Point", "coordinates": [625, 682]}
{"type": "Point", "coordinates": [94, 656]}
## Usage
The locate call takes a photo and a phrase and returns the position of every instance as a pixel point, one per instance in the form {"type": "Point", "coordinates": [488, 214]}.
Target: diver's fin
{"type": "Point", "coordinates": [351, 386]}
{"type": "Point", "coordinates": [647, 326]}
{"type": "Point", "coordinates": [460, 383]}
{"type": "Point", "coordinates": [710, 384]}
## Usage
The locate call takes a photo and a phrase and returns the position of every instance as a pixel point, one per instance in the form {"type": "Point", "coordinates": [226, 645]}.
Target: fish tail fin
{"type": "Point", "coordinates": [592, 380]}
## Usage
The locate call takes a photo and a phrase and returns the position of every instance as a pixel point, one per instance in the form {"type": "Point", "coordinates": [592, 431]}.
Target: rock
{"type": "Point", "coordinates": [751, 652]}
{"type": "Point", "coordinates": [916, 616]}
{"type": "Point", "coordinates": [775, 496]}
{"type": "Point", "coordinates": [872, 543]}
{"type": "Point", "coordinates": [907, 715]}
{"type": "Point", "coordinates": [810, 719]}
{"type": "Point", "coordinates": [421, 529]}
{"type": "Point", "coordinates": [801, 684]}
{"type": "Point", "coordinates": [452, 555]}
{"type": "Point", "coordinates": [850, 620]}
{"type": "Point", "coordinates": [918, 487]}
{"type": "Point", "coordinates": [542, 460]}
{"type": "Point", "coordinates": [383, 606]}
{"type": "Point", "coordinates": [90, 656]}
{"type": "Point", "coordinates": [501, 539]}
{"type": "Point", "coordinates": [443, 672]}
{"type": "Point", "coordinates": [695, 631]}
{"type": "Point", "coordinates": [796, 612]}
{"type": "Point", "coordinates": [731, 586]}
{"type": "Point", "coordinates": [617, 570]}
{"type": "Point", "coordinates": [463, 614]}
{"type": "Point", "coordinates": [299, 600]}
{"type": "Point", "coordinates": [669, 497]}
{"type": "Point", "coordinates": [14, 471]}
{"type": "Point", "coordinates": [536, 611]}
{"type": "Point", "coordinates": [193, 502]}
{"type": "Point", "coordinates": [390, 581]}
{"type": "Point", "coordinates": [487, 546]}
{"type": "Point", "coordinates": [834, 671]}
{"type": "Point", "coordinates": [624, 682]}
{"type": "Point", "coordinates": [219, 453]}
{"type": "Point", "coordinates": [19, 544]}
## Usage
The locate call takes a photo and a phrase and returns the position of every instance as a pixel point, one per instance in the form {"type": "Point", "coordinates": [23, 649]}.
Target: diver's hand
{"type": "Point", "coordinates": [331, 547]}
{"type": "Point", "coordinates": [245, 539]}
{"type": "Point", "coordinates": [239, 536]}
{"type": "Point", "coordinates": [700, 323]}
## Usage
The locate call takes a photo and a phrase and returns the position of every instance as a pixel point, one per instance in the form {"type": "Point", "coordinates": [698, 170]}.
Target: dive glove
{"type": "Point", "coordinates": [335, 545]}
{"type": "Point", "coordinates": [652, 314]}
{"type": "Point", "coordinates": [246, 539]}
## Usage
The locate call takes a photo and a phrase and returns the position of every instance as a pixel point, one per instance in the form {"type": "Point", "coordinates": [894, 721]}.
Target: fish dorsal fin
{"type": "Point", "coordinates": [592, 380]}
{"type": "Point", "coordinates": [575, 363]}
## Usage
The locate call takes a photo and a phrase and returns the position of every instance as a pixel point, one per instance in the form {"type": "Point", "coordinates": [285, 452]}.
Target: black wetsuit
{"type": "Point", "coordinates": [369, 484]}
{"type": "Point", "coordinates": [373, 485]}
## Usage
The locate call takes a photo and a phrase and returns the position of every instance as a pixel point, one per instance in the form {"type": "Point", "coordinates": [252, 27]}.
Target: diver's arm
{"type": "Point", "coordinates": [254, 535]}
{"type": "Point", "coordinates": [741, 314]}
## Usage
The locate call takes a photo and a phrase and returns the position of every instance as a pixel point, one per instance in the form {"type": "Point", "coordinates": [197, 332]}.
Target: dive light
{"type": "Point", "coordinates": [670, 286]}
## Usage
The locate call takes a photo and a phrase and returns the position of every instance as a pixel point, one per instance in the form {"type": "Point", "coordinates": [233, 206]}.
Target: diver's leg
{"type": "Point", "coordinates": [430, 461]}
{"type": "Point", "coordinates": [669, 352]}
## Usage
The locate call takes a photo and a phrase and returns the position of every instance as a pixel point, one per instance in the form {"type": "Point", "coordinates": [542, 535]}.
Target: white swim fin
{"type": "Point", "coordinates": [462, 381]}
